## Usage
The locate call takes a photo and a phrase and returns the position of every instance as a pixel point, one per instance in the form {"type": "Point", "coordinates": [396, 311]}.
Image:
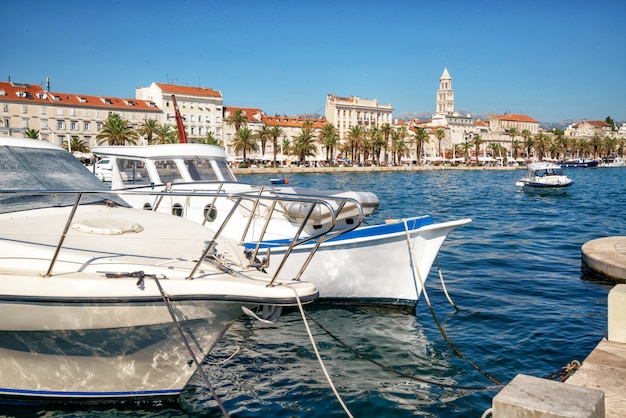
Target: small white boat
{"type": "Point", "coordinates": [96, 296]}
{"type": "Point", "coordinates": [370, 265]}
{"type": "Point", "coordinates": [612, 161]}
{"type": "Point", "coordinates": [544, 175]}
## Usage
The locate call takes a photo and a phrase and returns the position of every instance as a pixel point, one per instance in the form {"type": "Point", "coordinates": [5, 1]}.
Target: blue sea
{"type": "Point", "coordinates": [514, 273]}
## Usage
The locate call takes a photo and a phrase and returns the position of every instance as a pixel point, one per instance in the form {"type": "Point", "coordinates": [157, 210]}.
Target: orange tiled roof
{"type": "Point", "coordinates": [514, 118]}
{"type": "Point", "coordinates": [596, 123]}
{"type": "Point", "coordinates": [23, 92]}
{"type": "Point", "coordinates": [196, 91]}
{"type": "Point", "coordinates": [292, 121]}
{"type": "Point", "coordinates": [250, 112]}
{"type": "Point", "coordinates": [30, 93]}
{"type": "Point", "coordinates": [71, 99]}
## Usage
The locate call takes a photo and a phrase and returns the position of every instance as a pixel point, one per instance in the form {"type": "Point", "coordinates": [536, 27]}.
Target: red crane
{"type": "Point", "coordinates": [182, 136]}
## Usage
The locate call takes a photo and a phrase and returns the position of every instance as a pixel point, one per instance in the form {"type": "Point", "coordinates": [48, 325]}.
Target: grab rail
{"type": "Point", "coordinates": [320, 236]}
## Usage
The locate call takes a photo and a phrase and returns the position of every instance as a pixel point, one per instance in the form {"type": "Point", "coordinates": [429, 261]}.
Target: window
{"type": "Point", "coordinates": [74, 126]}
{"type": "Point", "coordinates": [61, 125]}
{"type": "Point", "coordinates": [5, 107]}
{"type": "Point", "coordinates": [25, 123]}
{"type": "Point", "coordinates": [72, 112]}
{"type": "Point", "coordinates": [24, 109]}
{"type": "Point", "coordinates": [44, 124]}
{"type": "Point", "coordinates": [6, 123]}
{"type": "Point", "coordinates": [86, 126]}
{"type": "Point", "coordinates": [60, 112]}
{"type": "Point", "coordinates": [98, 126]}
{"type": "Point", "coordinates": [43, 110]}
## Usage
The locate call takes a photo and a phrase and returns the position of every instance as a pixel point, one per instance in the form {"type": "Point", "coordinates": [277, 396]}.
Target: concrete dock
{"type": "Point", "coordinates": [605, 257]}
{"type": "Point", "coordinates": [598, 388]}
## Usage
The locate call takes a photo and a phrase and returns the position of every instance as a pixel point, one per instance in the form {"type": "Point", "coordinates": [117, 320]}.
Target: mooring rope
{"type": "Point", "coordinates": [392, 370]}
{"type": "Point", "coordinates": [432, 311]}
{"type": "Point", "coordinates": [167, 301]}
{"type": "Point", "coordinates": [317, 353]}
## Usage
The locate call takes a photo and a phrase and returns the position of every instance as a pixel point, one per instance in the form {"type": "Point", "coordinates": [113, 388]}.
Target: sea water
{"type": "Point", "coordinates": [514, 274]}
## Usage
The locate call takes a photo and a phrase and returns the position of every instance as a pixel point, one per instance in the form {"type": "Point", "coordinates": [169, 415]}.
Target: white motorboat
{"type": "Point", "coordinates": [373, 264]}
{"type": "Point", "coordinates": [612, 161]}
{"type": "Point", "coordinates": [544, 175]}
{"type": "Point", "coordinates": [97, 298]}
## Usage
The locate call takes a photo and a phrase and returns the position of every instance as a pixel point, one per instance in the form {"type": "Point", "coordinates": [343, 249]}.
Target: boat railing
{"type": "Point", "coordinates": [332, 205]}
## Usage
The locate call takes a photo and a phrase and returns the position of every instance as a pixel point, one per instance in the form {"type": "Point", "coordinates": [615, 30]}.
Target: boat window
{"type": "Point", "coordinates": [46, 170]}
{"type": "Point", "coordinates": [134, 172]}
{"type": "Point", "coordinates": [540, 173]}
{"type": "Point", "coordinates": [226, 173]}
{"type": "Point", "coordinates": [168, 171]}
{"type": "Point", "coordinates": [200, 169]}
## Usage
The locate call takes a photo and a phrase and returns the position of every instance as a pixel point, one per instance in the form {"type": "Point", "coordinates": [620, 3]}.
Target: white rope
{"type": "Point", "coordinates": [443, 285]}
{"type": "Point", "coordinates": [319, 357]}
{"type": "Point", "coordinates": [414, 264]}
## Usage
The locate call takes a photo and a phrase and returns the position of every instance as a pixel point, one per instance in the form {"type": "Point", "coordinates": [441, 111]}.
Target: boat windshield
{"type": "Point", "coordinates": [43, 169]}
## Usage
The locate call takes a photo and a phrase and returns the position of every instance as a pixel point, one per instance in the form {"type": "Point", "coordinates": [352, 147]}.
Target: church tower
{"type": "Point", "coordinates": [445, 94]}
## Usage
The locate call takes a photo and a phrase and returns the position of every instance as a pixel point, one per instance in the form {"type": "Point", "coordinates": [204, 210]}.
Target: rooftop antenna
{"type": "Point", "coordinates": [48, 84]}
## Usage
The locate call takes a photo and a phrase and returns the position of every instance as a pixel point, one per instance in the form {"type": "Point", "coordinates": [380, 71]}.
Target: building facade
{"type": "Point", "coordinates": [60, 116]}
{"type": "Point", "coordinates": [346, 112]}
{"type": "Point", "coordinates": [590, 128]}
{"type": "Point", "coordinates": [201, 108]}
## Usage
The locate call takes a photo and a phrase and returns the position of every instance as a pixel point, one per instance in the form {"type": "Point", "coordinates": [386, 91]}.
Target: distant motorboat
{"type": "Point", "coordinates": [579, 163]}
{"type": "Point", "coordinates": [279, 181]}
{"type": "Point", "coordinates": [612, 161]}
{"type": "Point", "coordinates": [544, 175]}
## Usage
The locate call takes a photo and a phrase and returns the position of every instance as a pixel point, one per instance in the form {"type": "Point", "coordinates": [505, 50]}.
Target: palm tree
{"type": "Point", "coordinates": [512, 132]}
{"type": "Point", "coordinates": [516, 146]}
{"type": "Point", "coordinates": [328, 138]}
{"type": "Point", "coordinates": [32, 133]}
{"type": "Point", "coordinates": [304, 145]}
{"type": "Point", "coordinates": [477, 142]}
{"type": "Point", "coordinates": [466, 147]}
{"type": "Point", "coordinates": [148, 129]}
{"type": "Point", "coordinates": [117, 131]}
{"type": "Point", "coordinates": [596, 145]}
{"type": "Point", "coordinates": [210, 139]}
{"type": "Point", "coordinates": [398, 146]}
{"type": "Point", "coordinates": [76, 144]}
{"type": "Point", "coordinates": [421, 137]}
{"type": "Point", "coordinates": [237, 119]}
{"type": "Point", "coordinates": [264, 135]}
{"type": "Point", "coordinates": [542, 144]}
{"type": "Point", "coordinates": [355, 137]}
{"type": "Point", "coordinates": [244, 140]}
{"type": "Point", "coordinates": [440, 134]}
{"type": "Point", "coordinates": [275, 133]}
{"type": "Point", "coordinates": [528, 141]}
{"type": "Point", "coordinates": [386, 131]}
{"type": "Point", "coordinates": [164, 134]}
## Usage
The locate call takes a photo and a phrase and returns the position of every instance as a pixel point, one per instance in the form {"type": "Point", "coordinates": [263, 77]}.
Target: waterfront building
{"type": "Point", "coordinates": [291, 127]}
{"type": "Point", "coordinates": [346, 112]}
{"type": "Point", "coordinates": [590, 128]}
{"type": "Point", "coordinates": [201, 108]}
{"type": "Point", "coordinates": [60, 116]}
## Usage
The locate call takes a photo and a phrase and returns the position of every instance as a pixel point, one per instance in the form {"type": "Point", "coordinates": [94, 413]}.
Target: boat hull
{"type": "Point", "coordinates": [140, 361]}
{"type": "Point", "coordinates": [370, 265]}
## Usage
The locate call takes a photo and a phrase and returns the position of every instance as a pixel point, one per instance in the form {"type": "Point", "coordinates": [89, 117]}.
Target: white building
{"type": "Point", "coordinates": [345, 113]}
{"type": "Point", "coordinates": [201, 107]}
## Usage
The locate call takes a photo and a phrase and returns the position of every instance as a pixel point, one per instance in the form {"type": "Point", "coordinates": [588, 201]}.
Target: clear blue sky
{"type": "Point", "coordinates": [551, 60]}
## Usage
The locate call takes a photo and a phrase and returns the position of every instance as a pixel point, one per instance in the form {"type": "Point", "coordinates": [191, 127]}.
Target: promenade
{"type": "Point", "coordinates": [284, 170]}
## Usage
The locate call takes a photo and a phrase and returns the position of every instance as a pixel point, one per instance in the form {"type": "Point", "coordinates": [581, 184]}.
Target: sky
{"type": "Point", "coordinates": [553, 60]}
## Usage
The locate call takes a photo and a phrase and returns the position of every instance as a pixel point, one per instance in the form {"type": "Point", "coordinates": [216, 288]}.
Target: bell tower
{"type": "Point", "coordinates": [445, 94]}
